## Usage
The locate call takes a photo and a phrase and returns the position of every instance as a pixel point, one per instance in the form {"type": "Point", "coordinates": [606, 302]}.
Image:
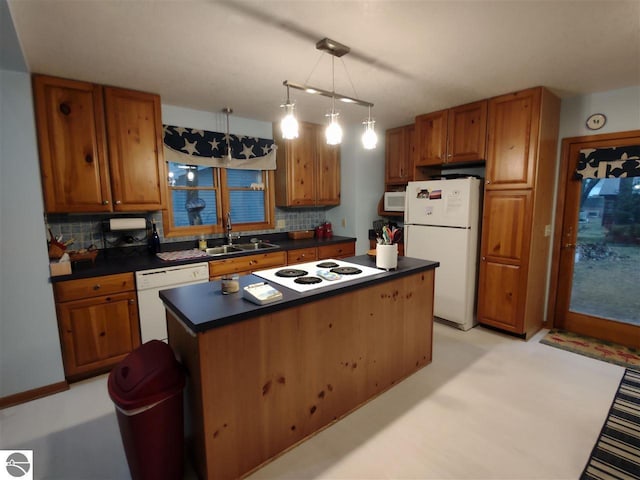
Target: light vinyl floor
{"type": "Point", "coordinates": [489, 406]}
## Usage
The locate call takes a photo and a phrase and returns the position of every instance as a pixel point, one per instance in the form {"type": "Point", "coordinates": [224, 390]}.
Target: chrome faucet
{"type": "Point", "coordinates": [230, 236]}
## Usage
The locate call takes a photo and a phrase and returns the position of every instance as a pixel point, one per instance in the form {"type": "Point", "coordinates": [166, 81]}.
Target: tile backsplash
{"type": "Point", "coordinates": [87, 229]}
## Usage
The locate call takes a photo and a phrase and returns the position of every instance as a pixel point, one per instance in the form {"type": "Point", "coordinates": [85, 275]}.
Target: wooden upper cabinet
{"type": "Point", "coordinates": [512, 139]}
{"type": "Point", "coordinates": [134, 132]}
{"type": "Point", "coordinates": [307, 169]}
{"type": "Point", "coordinates": [454, 135]}
{"type": "Point", "coordinates": [431, 138]}
{"type": "Point", "coordinates": [71, 141]}
{"type": "Point", "coordinates": [100, 147]}
{"type": "Point", "coordinates": [327, 171]}
{"type": "Point", "coordinates": [467, 132]}
{"type": "Point", "coordinates": [399, 152]}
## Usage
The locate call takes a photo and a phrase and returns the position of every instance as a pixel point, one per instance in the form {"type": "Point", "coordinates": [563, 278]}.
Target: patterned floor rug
{"type": "Point", "coordinates": [616, 454]}
{"type": "Point", "coordinates": [594, 348]}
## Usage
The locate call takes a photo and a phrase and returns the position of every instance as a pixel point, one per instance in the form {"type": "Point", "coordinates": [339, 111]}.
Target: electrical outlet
{"type": "Point", "coordinates": [281, 223]}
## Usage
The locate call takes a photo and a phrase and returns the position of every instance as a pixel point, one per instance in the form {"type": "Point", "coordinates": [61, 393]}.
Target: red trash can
{"type": "Point", "coordinates": [146, 388]}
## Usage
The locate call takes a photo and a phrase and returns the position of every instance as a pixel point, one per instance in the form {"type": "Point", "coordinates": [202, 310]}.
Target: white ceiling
{"type": "Point", "coordinates": [407, 57]}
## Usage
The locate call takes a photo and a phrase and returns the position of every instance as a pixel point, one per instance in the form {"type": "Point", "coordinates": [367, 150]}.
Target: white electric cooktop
{"type": "Point", "coordinates": [316, 274]}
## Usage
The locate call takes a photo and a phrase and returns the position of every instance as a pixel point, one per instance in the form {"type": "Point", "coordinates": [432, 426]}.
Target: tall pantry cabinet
{"type": "Point", "coordinates": [521, 150]}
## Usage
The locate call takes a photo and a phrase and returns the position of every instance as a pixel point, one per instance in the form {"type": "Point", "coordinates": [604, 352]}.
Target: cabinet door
{"type": "Point", "coordinates": [512, 139]}
{"type": "Point", "coordinates": [301, 255]}
{"type": "Point", "coordinates": [337, 250]}
{"type": "Point", "coordinates": [399, 150]}
{"type": "Point", "coordinates": [327, 171]}
{"type": "Point", "coordinates": [97, 332]}
{"type": "Point", "coordinates": [467, 133]}
{"type": "Point", "coordinates": [431, 138]}
{"type": "Point", "coordinates": [299, 159]}
{"type": "Point", "coordinates": [499, 302]}
{"type": "Point", "coordinates": [136, 161]}
{"type": "Point", "coordinates": [506, 224]}
{"type": "Point", "coordinates": [69, 117]}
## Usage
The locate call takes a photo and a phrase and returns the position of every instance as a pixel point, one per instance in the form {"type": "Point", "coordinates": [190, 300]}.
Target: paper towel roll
{"type": "Point", "coordinates": [127, 224]}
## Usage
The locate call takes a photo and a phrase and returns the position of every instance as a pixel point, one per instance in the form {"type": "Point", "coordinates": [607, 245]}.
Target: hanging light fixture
{"type": "Point", "coordinates": [228, 111]}
{"type": "Point", "coordinates": [289, 124]}
{"type": "Point", "coordinates": [369, 137]}
{"type": "Point", "coordinates": [333, 132]}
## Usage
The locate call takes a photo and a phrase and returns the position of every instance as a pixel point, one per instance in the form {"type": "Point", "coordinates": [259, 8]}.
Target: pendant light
{"type": "Point", "coordinates": [333, 132]}
{"type": "Point", "coordinates": [289, 124]}
{"type": "Point", "coordinates": [369, 137]}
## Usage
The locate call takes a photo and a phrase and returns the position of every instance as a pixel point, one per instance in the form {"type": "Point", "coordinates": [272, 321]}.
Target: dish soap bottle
{"type": "Point", "coordinates": [202, 243]}
{"type": "Point", "coordinates": [154, 240]}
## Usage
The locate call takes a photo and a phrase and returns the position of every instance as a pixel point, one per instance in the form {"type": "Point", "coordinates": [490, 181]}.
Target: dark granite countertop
{"type": "Point", "coordinates": [133, 259]}
{"type": "Point", "coordinates": [202, 307]}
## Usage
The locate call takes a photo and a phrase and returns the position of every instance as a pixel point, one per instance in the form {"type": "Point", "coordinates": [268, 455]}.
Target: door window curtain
{"type": "Point", "coordinates": [614, 162]}
{"type": "Point", "coordinates": [201, 147]}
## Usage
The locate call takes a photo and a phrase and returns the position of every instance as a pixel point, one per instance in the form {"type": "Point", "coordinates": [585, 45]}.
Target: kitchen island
{"type": "Point", "coordinates": [263, 378]}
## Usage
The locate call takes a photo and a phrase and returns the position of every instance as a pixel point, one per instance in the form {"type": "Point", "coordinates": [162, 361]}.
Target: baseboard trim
{"type": "Point", "coordinates": [23, 397]}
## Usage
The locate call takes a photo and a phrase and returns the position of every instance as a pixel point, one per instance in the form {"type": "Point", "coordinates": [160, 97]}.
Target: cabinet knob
{"type": "Point", "coordinates": [97, 286]}
{"type": "Point", "coordinates": [132, 301]}
{"type": "Point", "coordinates": [105, 202]}
{"type": "Point", "coordinates": [65, 109]}
{"type": "Point", "coordinates": [569, 245]}
{"type": "Point", "coordinates": [488, 182]}
{"type": "Point", "coordinates": [484, 259]}
{"type": "Point", "coordinates": [118, 202]}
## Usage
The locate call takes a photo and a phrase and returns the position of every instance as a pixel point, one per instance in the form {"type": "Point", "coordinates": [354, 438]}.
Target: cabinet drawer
{"type": "Point", "coordinates": [246, 264]}
{"type": "Point", "coordinates": [93, 287]}
{"type": "Point", "coordinates": [302, 255]}
{"type": "Point", "coordinates": [337, 250]}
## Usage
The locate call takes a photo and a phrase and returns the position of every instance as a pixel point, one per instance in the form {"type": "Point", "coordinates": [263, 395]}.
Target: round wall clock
{"type": "Point", "coordinates": [596, 121]}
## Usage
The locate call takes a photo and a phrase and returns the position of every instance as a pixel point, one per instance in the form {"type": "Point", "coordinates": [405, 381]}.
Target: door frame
{"type": "Point", "coordinates": [604, 329]}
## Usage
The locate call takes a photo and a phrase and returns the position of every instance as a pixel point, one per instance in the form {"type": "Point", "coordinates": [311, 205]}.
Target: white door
{"type": "Point", "coordinates": [455, 282]}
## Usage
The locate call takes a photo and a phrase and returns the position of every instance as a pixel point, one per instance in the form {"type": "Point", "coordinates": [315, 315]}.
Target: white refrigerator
{"type": "Point", "coordinates": [442, 223]}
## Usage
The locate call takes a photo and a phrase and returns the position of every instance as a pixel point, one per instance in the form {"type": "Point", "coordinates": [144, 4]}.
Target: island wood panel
{"type": "Point", "coordinates": [260, 386]}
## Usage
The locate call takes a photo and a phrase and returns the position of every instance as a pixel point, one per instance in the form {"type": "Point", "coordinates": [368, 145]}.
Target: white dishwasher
{"type": "Point", "coordinates": [153, 323]}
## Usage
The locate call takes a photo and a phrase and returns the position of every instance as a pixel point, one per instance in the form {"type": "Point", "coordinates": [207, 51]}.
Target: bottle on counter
{"type": "Point", "coordinates": [154, 240]}
{"type": "Point", "coordinates": [202, 243]}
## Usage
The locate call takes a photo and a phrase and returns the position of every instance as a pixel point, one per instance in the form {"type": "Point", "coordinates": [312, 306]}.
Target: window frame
{"type": "Point", "coordinates": [223, 203]}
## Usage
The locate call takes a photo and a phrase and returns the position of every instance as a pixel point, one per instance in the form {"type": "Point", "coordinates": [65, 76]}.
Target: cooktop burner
{"type": "Point", "coordinates": [307, 280]}
{"type": "Point", "coordinates": [327, 265]}
{"type": "Point", "coordinates": [319, 274]}
{"type": "Point", "coordinates": [346, 270]}
{"type": "Point", "coordinates": [291, 272]}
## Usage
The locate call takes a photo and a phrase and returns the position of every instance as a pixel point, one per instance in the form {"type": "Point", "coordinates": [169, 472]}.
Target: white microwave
{"type": "Point", "coordinates": [394, 201]}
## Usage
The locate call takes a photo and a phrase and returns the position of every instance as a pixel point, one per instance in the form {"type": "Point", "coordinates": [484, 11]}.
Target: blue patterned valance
{"type": "Point", "coordinates": [202, 147]}
{"type": "Point", "coordinates": [614, 162]}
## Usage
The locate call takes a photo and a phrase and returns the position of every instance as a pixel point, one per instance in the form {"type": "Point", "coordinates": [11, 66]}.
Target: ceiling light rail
{"type": "Point", "coordinates": [289, 124]}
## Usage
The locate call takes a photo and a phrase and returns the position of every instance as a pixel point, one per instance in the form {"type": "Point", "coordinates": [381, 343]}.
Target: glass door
{"type": "Point", "coordinates": [598, 290]}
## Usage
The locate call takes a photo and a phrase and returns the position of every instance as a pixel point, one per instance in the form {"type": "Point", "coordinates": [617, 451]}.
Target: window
{"type": "Point", "coordinates": [202, 186]}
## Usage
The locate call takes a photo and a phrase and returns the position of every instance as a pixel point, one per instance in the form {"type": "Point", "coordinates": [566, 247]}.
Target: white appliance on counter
{"type": "Point", "coordinates": [442, 223]}
{"type": "Point", "coordinates": [153, 323]}
{"type": "Point", "coordinates": [304, 277]}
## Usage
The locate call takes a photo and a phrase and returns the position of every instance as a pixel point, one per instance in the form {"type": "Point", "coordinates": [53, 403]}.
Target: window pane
{"type": "Point", "coordinates": [247, 206]}
{"type": "Point", "coordinates": [243, 178]}
{"type": "Point", "coordinates": [194, 207]}
{"type": "Point", "coordinates": [606, 273]}
{"type": "Point", "coordinates": [181, 175]}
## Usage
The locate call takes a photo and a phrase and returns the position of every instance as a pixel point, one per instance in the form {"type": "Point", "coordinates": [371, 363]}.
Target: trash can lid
{"type": "Point", "coordinates": [147, 375]}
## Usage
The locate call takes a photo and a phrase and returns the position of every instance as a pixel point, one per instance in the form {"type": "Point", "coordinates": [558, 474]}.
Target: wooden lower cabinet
{"type": "Point", "coordinates": [500, 302]}
{"type": "Point", "coordinates": [246, 264]}
{"type": "Point", "coordinates": [337, 250]}
{"type": "Point", "coordinates": [98, 323]}
{"type": "Point", "coordinates": [302, 255]}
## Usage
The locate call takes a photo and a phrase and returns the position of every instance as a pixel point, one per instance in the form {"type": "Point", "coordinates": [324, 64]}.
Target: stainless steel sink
{"type": "Point", "coordinates": [239, 248]}
{"type": "Point", "coordinates": [255, 246]}
{"type": "Point", "coordinates": [223, 250]}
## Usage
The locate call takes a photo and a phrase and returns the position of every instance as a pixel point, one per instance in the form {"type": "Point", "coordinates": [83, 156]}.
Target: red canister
{"type": "Point", "coordinates": [328, 231]}
{"type": "Point", "coordinates": [320, 232]}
